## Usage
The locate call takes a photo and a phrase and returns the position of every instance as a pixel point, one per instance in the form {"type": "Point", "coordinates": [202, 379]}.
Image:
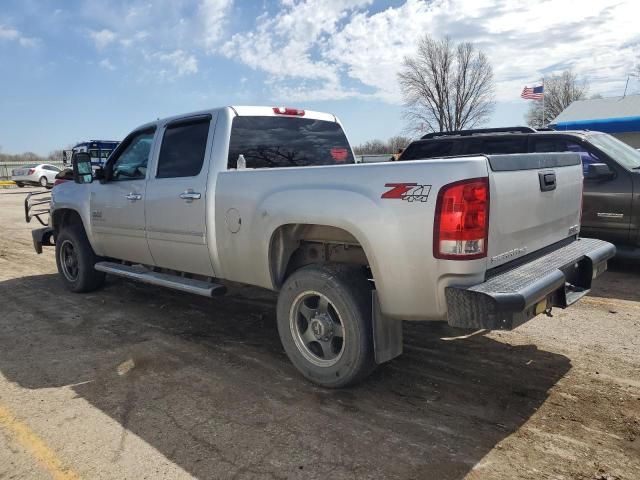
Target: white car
{"type": "Point", "coordinates": [41, 174]}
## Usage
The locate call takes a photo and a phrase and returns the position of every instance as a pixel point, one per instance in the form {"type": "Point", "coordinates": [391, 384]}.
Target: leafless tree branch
{"type": "Point", "coordinates": [446, 86]}
{"type": "Point", "coordinates": [559, 92]}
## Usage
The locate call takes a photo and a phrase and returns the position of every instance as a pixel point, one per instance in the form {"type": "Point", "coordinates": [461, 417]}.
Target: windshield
{"type": "Point", "coordinates": [619, 151]}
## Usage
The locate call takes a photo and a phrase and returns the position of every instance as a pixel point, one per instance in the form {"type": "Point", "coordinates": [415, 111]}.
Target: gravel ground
{"type": "Point", "coordinates": [138, 382]}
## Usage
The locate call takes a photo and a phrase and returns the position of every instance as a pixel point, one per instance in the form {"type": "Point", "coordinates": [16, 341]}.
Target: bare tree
{"type": "Point", "coordinates": [54, 156]}
{"type": "Point", "coordinates": [446, 86]}
{"type": "Point", "coordinates": [559, 92]}
{"type": "Point", "coordinates": [371, 147]}
{"type": "Point", "coordinates": [374, 147]}
{"type": "Point", "coordinates": [398, 142]}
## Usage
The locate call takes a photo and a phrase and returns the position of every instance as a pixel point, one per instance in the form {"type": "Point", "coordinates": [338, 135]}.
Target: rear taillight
{"type": "Point", "coordinates": [31, 171]}
{"type": "Point", "coordinates": [462, 220]}
{"type": "Point", "coordinates": [58, 181]}
{"type": "Point", "coordinates": [288, 111]}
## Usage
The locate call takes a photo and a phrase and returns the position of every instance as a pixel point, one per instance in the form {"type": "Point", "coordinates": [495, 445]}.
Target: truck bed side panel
{"type": "Point", "coordinates": [396, 233]}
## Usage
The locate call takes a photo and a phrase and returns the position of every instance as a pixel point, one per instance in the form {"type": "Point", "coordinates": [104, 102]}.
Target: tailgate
{"type": "Point", "coordinates": [535, 202]}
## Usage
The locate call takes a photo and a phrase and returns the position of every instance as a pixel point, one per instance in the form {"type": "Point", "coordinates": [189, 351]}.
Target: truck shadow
{"type": "Point", "coordinates": [621, 281]}
{"type": "Point", "coordinates": [206, 383]}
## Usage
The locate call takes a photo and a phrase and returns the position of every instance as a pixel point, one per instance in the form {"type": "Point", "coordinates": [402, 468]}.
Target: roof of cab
{"type": "Point", "coordinates": [245, 110]}
{"type": "Point", "coordinates": [256, 111]}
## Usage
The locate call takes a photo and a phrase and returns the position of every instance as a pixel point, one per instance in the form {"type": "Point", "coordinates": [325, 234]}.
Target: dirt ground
{"type": "Point", "coordinates": [139, 382]}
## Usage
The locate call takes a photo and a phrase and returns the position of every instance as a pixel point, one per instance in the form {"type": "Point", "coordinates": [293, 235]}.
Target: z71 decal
{"type": "Point", "coordinates": [411, 192]}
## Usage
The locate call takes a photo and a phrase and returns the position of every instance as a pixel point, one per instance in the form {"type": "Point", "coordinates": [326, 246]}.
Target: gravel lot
{"type": "Point", "coordinates": [139, 382]}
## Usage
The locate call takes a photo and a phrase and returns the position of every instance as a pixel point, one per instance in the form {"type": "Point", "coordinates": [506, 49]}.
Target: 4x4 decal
{"type": "Point", "coordinates": [411, 192]}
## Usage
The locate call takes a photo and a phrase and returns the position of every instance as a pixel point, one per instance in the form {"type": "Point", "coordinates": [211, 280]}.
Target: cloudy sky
{"type": "Point", "coordinates": [81, 69]}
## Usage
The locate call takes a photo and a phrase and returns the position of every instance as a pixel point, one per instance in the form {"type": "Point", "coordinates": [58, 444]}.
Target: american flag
{"type": "Point", "coordinates": [532, 93]}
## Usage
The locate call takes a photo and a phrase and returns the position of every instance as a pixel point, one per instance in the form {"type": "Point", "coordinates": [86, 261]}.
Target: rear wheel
{"type": "Point", "coordinates": [76, 260]}
{"type": "Point", "coordinates": [20, 184]}
{"type": "Point", "coordinates": [43, 181]}
{"type": "Point", "coordinates": [324, 321]}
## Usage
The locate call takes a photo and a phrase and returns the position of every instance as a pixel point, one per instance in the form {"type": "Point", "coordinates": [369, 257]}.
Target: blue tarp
{"type": "Point", "coordinates": [607, 125]}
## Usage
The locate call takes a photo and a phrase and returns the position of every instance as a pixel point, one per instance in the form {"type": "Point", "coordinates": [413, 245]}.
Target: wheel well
{"type": "Point", "coordinates": [296, 245]}
{"type": "Point", "coordinates": [65, 217]}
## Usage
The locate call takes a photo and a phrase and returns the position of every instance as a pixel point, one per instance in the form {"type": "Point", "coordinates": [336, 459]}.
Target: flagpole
{"type": "Point", "coordinates": [543, 102]}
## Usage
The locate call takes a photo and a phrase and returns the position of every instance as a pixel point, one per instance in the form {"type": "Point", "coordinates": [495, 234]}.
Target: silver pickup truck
{"type": "Point", "coordinates": [272, 197]}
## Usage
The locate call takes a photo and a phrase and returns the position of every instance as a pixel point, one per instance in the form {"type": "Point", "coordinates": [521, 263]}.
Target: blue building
{"type": "Point", "coordinates": [618, 116]}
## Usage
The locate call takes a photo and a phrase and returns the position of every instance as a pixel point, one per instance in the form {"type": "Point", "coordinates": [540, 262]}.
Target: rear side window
{"type": "Point", "coordinates": [268, 142]}
{"type": "Point", "coordinates": [428, 149]}
{"type": "Point", "coordinates": [183, 148]}
{"type": "Point", "coordinates": [497, 145]}
{"type": "Point", "coordinates": [562, 145]}
{"type": "Point", "coordinates": [547, 145]}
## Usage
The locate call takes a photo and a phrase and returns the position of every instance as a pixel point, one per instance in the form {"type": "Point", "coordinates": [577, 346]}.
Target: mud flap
{"type": "Point", "coordinates": [42, 237]}
{"type": "Point", "coordinates": [387, 333]}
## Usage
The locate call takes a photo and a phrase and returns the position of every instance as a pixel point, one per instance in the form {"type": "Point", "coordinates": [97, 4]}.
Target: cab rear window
{"type": "Point", "coordinates": [268, 142]}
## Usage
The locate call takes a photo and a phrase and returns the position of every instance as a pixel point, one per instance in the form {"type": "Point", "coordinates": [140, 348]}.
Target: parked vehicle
{"type": "Point", "coordinates": [99, 151]}
{"type": "Point", "coordinates": [272, 197]}
{"type": "Point", "coordinates": [611, 209]}
{"type": "Point", "coordinates": [41, 174]}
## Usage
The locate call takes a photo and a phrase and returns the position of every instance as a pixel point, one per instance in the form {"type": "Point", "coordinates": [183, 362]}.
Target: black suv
{"type": "Point", "coordinates": [611, 203]}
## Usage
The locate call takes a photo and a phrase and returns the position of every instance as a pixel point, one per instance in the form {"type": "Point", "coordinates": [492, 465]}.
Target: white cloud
{"type": "Point", "coordinates": [12, 34]}
{"type": "Point", "coordinates": [318, 49]}
{"type": "Point", "coordinates": [181, 62]}
{"type": "Point", "coordinates": [29, 42]}
{"type": "Point", "coordinates": [107, 65]}
{"type": "Point", "coordinates": [102, 38]}
{"type": "Point", "coordinates": [283, 46]}
{"type": "Point", "coordinates": [8, 33]}
{"type": "Point", "coordinates": [158, 40]}
{"type": "Point", "coordinates": [213, 14]}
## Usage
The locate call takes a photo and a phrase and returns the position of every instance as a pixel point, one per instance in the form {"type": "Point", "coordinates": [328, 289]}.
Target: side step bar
{"type": "Point", "coordinates": [144, 275]}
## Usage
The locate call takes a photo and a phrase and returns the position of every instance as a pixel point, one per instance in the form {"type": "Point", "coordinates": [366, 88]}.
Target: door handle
{"type": "Point", "coordinates": [189, 195]}
{"type": "Point", "coordinates": [133, 197]}
{"type": "Point", "coordinates": [547, 181]}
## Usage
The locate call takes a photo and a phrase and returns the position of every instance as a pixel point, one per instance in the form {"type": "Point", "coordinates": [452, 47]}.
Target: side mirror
{"type": "Point", "coordinates": [82, 170]}
{"type": "Point", "coordinates": [599, 171]}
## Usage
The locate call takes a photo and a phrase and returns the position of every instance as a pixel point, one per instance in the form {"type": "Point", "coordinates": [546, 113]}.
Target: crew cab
{"type": "Point", "coordinates": [272, 197]}
{"type": "Point", "coordinates": [611, 204]}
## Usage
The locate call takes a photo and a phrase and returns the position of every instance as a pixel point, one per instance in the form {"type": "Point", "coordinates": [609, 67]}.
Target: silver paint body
{"type": "Point", "coordinates": [227, 233]}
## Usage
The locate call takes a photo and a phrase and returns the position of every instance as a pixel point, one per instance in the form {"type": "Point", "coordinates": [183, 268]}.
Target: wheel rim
{"type": "Point", "coordinates": [69, 261]}
{"type": "Point", "coordinates": [43, 181]}
{"type": "Point", "coordinates": [317, 328]}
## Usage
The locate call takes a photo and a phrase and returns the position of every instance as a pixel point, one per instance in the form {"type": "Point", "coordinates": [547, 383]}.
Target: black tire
{"type": "Point", "coordinates": [20, 184]}
{"type": "Point", "coordinates": [348, 293]}
{"type": "Point", "coordinates": [84, 277]}
{"type": "Point", "coordinates": [43, 181]}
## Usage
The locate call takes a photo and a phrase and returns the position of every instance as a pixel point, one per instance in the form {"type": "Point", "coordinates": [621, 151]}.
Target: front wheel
{"type": "Point", "coordinates": [76, 260]}
{"type": "Point", "coordinates": [324, 322]}
{"type": "Point", "coordinates": [19, 184]}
